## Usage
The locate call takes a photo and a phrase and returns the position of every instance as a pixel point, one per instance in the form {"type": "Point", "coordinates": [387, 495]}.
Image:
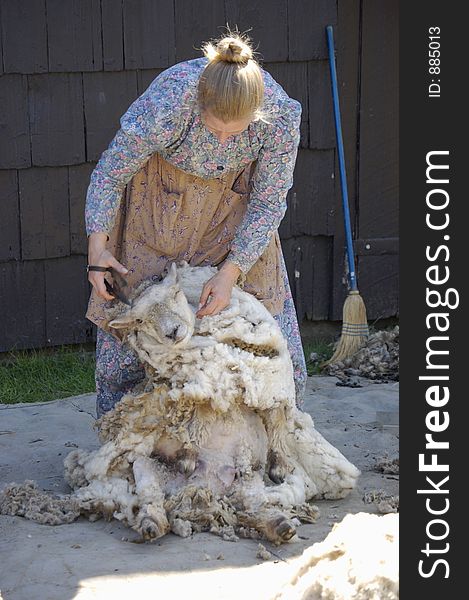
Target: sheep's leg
{"type": "Point", "coordinates": [151, 520]}
{"type": "Point", "coordinates": [326, 473]}
{"type": "Point", "coordinates": [106, 495]}
{"type": "Point", "coordinates": [186, 461]}
{"type": "Point", "coordinates": [277, 466]}
{"type": "Point", "coordinates": [111, 498]}
{"type": "Point", "coordinates": [255, 510]}
{"type": "Point", "coordinates": [271, 523]}
{"type": "Point", "coordinates": [308, 457]}
{"type": "Point", "coordinates": [275, 423]}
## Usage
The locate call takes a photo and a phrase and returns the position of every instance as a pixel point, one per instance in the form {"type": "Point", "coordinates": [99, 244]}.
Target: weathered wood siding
{"type": "Point", "coordinates": [70, 68]}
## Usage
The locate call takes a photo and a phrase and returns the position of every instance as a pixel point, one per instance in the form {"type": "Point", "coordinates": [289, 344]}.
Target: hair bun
{"type": "Point", "coordinates": [233, 50]}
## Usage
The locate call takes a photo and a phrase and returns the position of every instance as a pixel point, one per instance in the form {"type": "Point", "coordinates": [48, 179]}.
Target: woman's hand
{"type": "Point", "coordinates": [216, 293]}
{"type": "Point", "coordinates": [98, 256]}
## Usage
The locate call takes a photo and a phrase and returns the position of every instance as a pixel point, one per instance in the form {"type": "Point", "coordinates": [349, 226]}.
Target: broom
{"type": "Point", "coordinates": [354, 323]}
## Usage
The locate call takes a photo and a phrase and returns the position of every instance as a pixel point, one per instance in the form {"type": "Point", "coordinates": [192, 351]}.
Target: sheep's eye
{"type": "Point", "coordinates": [139, 321]}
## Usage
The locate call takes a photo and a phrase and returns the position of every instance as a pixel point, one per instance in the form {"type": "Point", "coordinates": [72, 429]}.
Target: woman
{"type": "Point", "coordinates": [198, 171]}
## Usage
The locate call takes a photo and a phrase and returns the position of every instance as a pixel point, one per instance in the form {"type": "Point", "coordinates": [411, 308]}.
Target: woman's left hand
{"type": "Point", "coordinates": [216, 293]}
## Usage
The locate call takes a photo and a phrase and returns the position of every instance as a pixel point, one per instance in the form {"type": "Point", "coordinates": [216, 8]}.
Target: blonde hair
{"type": "Point", "coordinates": [231, 86]}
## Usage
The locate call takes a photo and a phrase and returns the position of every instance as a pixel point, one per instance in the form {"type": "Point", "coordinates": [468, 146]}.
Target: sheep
{"type": "Point", "coordinates": [212, 439]}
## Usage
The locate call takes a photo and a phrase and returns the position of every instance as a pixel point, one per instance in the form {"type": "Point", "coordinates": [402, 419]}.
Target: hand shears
{"type": "Point", "coordinates": [119, 283]}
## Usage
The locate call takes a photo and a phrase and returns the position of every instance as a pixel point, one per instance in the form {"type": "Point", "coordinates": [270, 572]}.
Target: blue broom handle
{"type": "Point", "coordinates": [340, 148]}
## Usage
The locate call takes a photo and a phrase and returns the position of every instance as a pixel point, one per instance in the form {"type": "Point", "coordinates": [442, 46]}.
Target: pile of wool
{"type": "Point", "coordinates": [378, 359]}
{"type": "Point", "coordinates": [358, 560]}
{"type": "Point", "coordinates": [27, 500]}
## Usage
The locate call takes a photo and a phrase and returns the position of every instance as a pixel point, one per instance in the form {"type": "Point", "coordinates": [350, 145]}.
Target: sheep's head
{"type": "Point", "coordinates": [161, 312]}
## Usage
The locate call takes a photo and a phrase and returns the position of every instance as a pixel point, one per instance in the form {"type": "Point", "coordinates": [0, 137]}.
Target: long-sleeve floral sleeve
{"type": "Point", "coordinates": [151, 124]}
{"type": "Point", "coordinates": [271, 181]}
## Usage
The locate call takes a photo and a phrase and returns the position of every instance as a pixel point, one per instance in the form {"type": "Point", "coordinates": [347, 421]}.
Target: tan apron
{"type": "Point", "coordinates": [169, 215]}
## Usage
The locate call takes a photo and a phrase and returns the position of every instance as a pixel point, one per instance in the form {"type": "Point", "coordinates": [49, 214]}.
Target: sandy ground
{"type": "Point", "coordinates": [102, 560]}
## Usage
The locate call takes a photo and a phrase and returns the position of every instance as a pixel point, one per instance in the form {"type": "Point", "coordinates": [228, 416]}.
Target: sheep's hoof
{"type": "Point", "coordinates": [285, 530]}
{"type": "Point", "coordinates": [149, 529]}
{"type": "Point", "coordinates": [186, 461]}
{"type": "Point", "coordinates": [277, 467]}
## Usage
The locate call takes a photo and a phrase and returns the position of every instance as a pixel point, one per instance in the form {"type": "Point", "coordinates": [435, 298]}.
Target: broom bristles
{"type": "Point", "coordinates": [354, 329]}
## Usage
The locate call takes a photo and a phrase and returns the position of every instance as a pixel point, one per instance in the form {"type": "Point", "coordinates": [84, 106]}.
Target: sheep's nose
{"type": "Point", "coordinates": [173, 334]}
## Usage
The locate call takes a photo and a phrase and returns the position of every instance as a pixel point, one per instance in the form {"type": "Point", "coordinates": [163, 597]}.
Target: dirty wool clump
{"type": "Point", "coordinates": [263, 553]}
{"type": "Point", "coordinates": [357, 561]}
{"type": "Point", "coordinates": [385, 503]}
{"type": "Point", "coordinates": [26, 500]}
{"type": "Point", "coordinates": [212, 440]}
{"type": "Point", "coordinates": [378, 359]}
{"type": "Point", "coordinates": [387, 465]}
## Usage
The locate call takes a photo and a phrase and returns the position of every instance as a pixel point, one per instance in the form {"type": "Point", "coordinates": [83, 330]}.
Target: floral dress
{"type": "Point", "coordinates": [166, 120]}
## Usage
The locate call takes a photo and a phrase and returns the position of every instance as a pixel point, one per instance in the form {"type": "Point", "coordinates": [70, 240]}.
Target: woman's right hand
{"type": "Point", "coordinates": [100, 257]}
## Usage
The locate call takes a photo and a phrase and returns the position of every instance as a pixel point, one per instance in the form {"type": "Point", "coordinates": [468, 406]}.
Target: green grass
{"type": "Point", "coordinates": [41, 375]}
{"type": "Point", "coordinates": [323, 348]}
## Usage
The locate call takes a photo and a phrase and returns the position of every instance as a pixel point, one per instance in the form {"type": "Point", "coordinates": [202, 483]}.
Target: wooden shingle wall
{"type": "Point", "coordinates": [70, 68]}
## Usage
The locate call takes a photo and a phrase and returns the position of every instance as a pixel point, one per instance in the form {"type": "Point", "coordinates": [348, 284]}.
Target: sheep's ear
{"type": "Point", "coordinates": [123, 322]}
{"type": "Point", "coordinates": [172, 276]}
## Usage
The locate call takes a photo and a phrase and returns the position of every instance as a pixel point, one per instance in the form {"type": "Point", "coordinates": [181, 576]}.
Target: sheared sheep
{"type": "Point", "coordinates": [190, 450]}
